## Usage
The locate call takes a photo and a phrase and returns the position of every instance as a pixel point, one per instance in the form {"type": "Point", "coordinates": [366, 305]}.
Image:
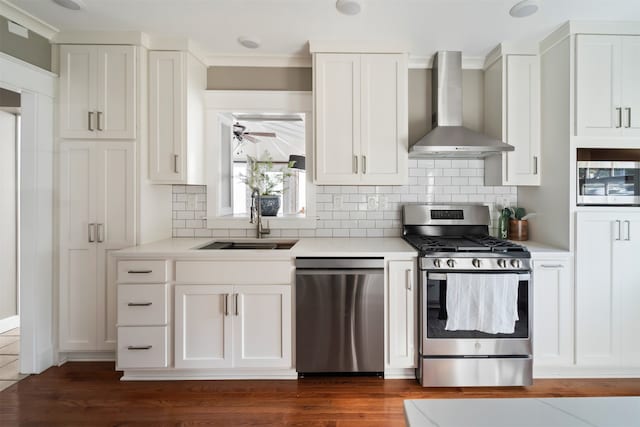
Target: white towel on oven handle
{"type": "Point", "coordinates": [482, 302]}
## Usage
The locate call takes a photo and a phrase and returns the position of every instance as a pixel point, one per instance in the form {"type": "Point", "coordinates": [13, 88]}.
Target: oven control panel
{"type": "Point", "coordinates": [475, 264]}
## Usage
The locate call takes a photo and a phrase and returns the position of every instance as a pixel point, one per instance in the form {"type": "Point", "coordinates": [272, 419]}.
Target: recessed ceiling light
{"type": "Point", "coordinates": [348, 7]}
{"type": "Point", "coordinates": [249, 42]}
{"type": "Point", "coordinates": [70, 4]}
{"type": "Point", "coordinates": [524, 8]}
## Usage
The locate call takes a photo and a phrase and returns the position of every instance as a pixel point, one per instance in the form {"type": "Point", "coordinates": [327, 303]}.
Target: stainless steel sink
{"type": "Point", "coordinates": [250, 245]}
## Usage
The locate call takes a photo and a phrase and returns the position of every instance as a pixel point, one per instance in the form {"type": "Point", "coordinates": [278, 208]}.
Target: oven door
{"type": "Point", "coordinates": [437, 341]}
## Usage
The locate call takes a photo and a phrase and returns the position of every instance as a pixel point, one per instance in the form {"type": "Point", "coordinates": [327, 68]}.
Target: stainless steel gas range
{"type": "Point", "coordinates": [475, 299]}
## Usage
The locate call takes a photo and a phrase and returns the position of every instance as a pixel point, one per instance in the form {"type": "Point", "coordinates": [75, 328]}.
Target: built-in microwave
{"type": "Point", "coordinates": [609, 183]}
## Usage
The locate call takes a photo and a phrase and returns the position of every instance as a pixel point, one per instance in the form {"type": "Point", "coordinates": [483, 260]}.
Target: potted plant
{"type": "Point", "coordinates": [262, 181]}
{"type": "Point", "coordinates": [518, 225]}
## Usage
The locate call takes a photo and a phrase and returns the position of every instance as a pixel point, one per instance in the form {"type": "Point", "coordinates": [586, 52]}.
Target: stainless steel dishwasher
{"type": "Point", "coordinates": [339, 315]}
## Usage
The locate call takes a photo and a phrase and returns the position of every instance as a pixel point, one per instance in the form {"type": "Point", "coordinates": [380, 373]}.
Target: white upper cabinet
{"type": "Point", "coordinates": [512, 114]}
{"type": "Point", "coordinates": [361, 127]}
{"type": "Point", "coordinates": [177, 82]}
{"type": "Point", "coordinates": [97, 92]}
{"type": "Point", "coordinates": [607, 86]}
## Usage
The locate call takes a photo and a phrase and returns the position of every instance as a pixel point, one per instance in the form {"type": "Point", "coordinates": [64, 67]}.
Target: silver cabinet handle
{"type": "Point", "coordinates": [139, 347]}
{"type": "Point", "coordinates": [100, 233]}
{"type": "Point", "coordinates": [175, 163]}
{"type": "Point", "coordinates": [236, 304]}
{"type": "Point", "coordinates": [628, 224]}
{"type": "Point", "coordinates": [535, 165]}
{"type": "Point", "coordinates": [618, 228]}
{"type": "Point", "coordinates": [551, 266]}
{"type": "Point", "coordinates": [90, 121]}
{"type": "Point", "coordinates": [139, 304]}
{"type": "Point", "coordinates": [409, 279]}
{"type": "Point", "coordinates": [355, 164]}
{"type": "Point", "coordinates": [226, 304]}
{"type": "Point", "coordinates": [91, 229]}
{"type": "Point", "coordinates": [140, 271]}
{"type": "Point", "coordinates": [619, 111]}
{"type": "Point", "coordinates": [628, 117]}
{"type": "Point", "coordinates": [99, 117]}
{"type": "Point", "coordinates": [364, 164]}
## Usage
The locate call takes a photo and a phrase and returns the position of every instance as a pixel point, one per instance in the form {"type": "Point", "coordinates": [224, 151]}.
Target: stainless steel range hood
{"type": "Point", "coordinates": [449, 138]}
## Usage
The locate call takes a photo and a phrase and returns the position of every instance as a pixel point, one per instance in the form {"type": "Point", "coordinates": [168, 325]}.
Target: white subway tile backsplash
{"type": "Point", "coordinates": [361, 211]}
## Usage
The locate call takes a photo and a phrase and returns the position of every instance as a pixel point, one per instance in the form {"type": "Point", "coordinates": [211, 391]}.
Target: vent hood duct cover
{"type": "Point", "coordinates": [448, 137]}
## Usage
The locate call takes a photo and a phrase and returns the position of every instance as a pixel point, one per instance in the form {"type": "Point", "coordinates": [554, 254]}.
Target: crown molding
{"type": "Point", "coordinates": [24, 18]}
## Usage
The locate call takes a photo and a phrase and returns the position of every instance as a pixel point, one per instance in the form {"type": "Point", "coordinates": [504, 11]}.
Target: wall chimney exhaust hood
{"type": "Point", "coordinates": [449, 138]}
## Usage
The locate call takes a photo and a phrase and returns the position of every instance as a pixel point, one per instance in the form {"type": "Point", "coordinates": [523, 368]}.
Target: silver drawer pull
{"type": "Point", "coordinates": [139, 347]}
{"type": "Point", "coordinates": [551, 266]}
{"type": "Point", "coordinates": [140, 271]}
{"type": "Point", "coordinates": [139, 304]}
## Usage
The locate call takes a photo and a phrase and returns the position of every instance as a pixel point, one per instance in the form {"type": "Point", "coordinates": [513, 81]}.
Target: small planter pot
{"type": "Point", "coordinates": [270, 205]}
{"type": "Point", "coordinates": [518, 229]}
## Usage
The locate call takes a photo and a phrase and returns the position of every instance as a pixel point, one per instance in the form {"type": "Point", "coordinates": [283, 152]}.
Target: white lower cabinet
{"type": "Point", "coordinates": [552, 311]}
{"type": "Point", "coordinates": [401, 309]}
{"type": "Point", "coordinates": [607, 289]}
{"type": "Point", "coordinates": [220, 326]}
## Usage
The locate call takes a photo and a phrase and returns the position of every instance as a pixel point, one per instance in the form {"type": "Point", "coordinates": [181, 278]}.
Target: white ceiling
{"type": "Point", "coordinates": [285, 26]}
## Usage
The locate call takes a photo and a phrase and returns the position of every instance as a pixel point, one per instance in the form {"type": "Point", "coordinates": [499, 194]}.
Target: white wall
{"type": "Point", "coordinates": [8, 219]}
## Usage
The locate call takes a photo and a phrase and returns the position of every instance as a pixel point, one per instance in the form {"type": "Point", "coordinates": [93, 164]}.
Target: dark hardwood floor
{"type": "Point", "coordinates": [90, 394]}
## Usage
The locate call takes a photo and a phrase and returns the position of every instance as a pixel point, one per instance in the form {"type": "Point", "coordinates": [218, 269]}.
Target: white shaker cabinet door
{"type": "Point", "coordinates": [401, 314]}
{"type": "Point", "coordinates": [78, 95]}
{"type": "Point", "coordinates": [203, 326]}
{"type": "Point", "coordinates": [78, 269]}
{"type": "Point", "coordinates": [553, 312]}
{"type": "Point", "coordinates": [626, 275]}
{"type": "Point", "coordinates": [631, 86]}
{"type": "Point", "coordinates": [262, 327]}
{"type": "Point", "coordinates": [384, 123]}
{"type": "Point", "coordinates": [599, 109]}
{"type": "Point", "coordinates": [337, 118]}
{"type": "Point", "coordinates": [597, 299]}
{"type": "Point", "coordinates": [115, 108]}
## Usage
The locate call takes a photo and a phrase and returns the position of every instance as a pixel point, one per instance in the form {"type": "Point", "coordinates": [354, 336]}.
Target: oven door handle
{"type": "Point", "coordinates": [443, 276]}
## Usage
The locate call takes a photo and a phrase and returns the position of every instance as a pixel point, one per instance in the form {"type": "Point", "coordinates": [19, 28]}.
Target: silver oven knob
{"type": "Point", "coordinates": [437, 263]}
{"type": "Point", "coordinates": [502, 263]}
{"type": "Point", "coordinates": [476, 263]}
{"type": "Point", "coordinates": [515, 263]}
{"type": "Point", "coordinates": [451, 263]}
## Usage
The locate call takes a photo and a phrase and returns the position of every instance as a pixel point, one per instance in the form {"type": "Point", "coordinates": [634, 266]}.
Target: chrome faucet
{"type": "Point", "coordinates": [256, 215]}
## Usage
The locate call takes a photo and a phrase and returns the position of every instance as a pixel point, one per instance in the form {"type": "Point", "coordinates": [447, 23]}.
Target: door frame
{"type": "Point", "coordinates": [37, 88]}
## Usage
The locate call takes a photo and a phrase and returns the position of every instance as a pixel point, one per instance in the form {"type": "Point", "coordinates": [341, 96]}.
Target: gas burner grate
{"type": "Point", "coordinates": [498, 245]}
{"type": "Point", "coordinates": [480, 243]}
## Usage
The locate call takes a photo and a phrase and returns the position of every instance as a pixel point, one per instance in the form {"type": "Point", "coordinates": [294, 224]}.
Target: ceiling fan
{"type": "Point", "coordinates": [240, 133]}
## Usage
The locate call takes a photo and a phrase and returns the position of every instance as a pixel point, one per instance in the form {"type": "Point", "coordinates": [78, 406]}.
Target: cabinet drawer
{"type": "Point", "coordinates": [142, 347]}
{"type": "Point", "coordinates": [143, 271]}
{"type": "Point", "coordinates": [142, 305]}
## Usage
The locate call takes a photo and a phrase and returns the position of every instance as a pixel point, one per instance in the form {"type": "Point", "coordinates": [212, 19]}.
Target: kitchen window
{"type": "Point", "coordinates": [269, 130]}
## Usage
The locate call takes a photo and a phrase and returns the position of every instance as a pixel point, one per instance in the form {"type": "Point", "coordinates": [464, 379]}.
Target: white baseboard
{"type": "Point", "coordinates": [584, 372]}
{"type": "Point", "coordinates": [86, 356]}
{"type": "Point", "coordinates": [400, 374]}
{"type": "Point", "coordinates": [204, 374]}
{"type": "Point", "coordinates": [9, 323]}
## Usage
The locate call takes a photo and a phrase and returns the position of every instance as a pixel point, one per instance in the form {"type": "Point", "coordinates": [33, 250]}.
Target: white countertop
{"type": "Point", "coordinates": [538, 249]}
{"type": "Point", "coordinates": [388, 247]}
{"type": "Point", "coordinates": [524, 412]}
